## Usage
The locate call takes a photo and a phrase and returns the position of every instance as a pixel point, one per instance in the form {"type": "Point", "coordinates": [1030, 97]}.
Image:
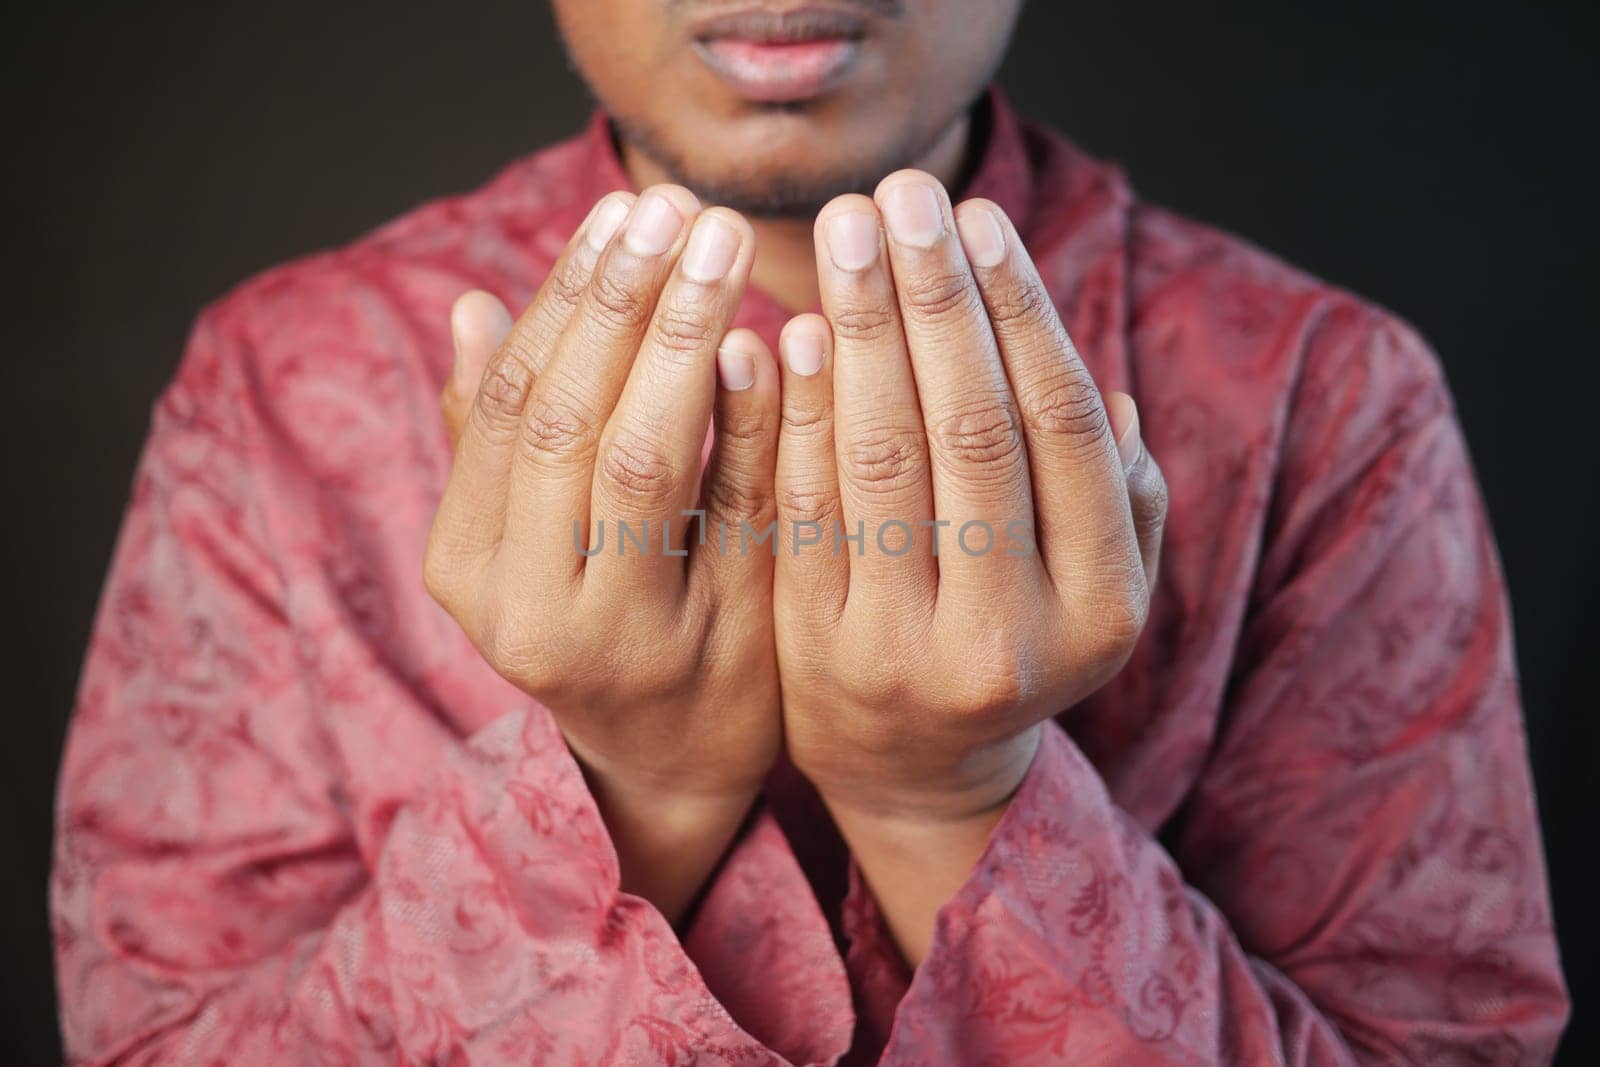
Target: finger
{"type": "Point", "coordinates": [569, 406]}
{"type": "Point", "coordinates": [1079, 493]}
{"type": "Point", "coordinates": [649, 462]}
{"type": "Point", "coordinates": [882, 453]}
{"type": "Point", "coordinates": [1147, 487]}
{"type": "Point", "coordinates": [479, 323]}
{"type": "Point", "coordinates": [810, 568]}
{"type": "Point", "coordinates": [502, 390]}
{"type": "Point", "coordinates": [978, 461]}
{"type": "Point", "coordinates": [471, 518]}
{"type": "Point", "coordinates": [725, 557]}
{"type": "Point", "coordinates": [532, 342]}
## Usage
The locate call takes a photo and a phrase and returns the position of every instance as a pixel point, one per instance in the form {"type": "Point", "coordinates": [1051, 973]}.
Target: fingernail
{"type": "Point", "coordinates": [604, 225]}
{"type": "Point", "coordinates": [853, 240]}
{"type": "Point", "coordinates": [803, 352]}
{"type": "Point", "coordinates": [1130, 445]}
{"type": "Point", "coordinates": [713, 246]}
{"type": "Point", "coordinates": [653, 227]}
{"type": "Point", "coordinates": [914, 215]}
{"type": "Point", "coordinates": [982, 237]}
{"type": "Point", "coordinates": [736, 370]}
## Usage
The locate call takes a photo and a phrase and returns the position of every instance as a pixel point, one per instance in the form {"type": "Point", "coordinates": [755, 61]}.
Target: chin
{"type": "Point", "coordinates": [771, 166]}
{"type": "Point", "coordinates": [776, 193]}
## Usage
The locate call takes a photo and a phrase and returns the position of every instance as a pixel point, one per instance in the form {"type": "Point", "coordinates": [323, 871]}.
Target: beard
{"type": "Point", "coordinates": [758, 191]}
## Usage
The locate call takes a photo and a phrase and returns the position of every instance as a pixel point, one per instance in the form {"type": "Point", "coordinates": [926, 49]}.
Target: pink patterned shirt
{"type": "Point", "coordinates": [302, 821]}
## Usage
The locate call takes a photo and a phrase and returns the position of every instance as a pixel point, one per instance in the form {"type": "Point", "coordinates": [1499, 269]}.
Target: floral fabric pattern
{"type": "Point", "coordinates": [301, 821]}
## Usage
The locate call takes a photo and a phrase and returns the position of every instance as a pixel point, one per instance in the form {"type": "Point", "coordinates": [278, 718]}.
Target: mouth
{"type": "Point", "coordinates": [781, 57]}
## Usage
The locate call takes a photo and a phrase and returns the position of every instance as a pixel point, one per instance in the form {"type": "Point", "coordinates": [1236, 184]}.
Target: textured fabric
{"type": "Point", "coordinates": [301, 821]}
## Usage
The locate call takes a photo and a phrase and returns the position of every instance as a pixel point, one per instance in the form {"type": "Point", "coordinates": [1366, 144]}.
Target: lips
{"type": "Point", "coordinates": [781, 57]}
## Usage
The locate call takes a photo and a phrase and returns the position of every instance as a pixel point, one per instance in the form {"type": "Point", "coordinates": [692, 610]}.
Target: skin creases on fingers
{"type": "Point", "coordinates": [553, 471]}
{"type": "Point", "coordinates": [807, 482]}
{"type": "Point", "coordinates": [531, 340]}
{"type": "Point", "coordinates": [1080, 493]}
{"type": "Point", "coordinates": [737, 490]}
{"type": "Point", "coordinates": [488, 342]}
{"type": "Point", "coordinates": [649, 461]}
{"type": "Point", "coordinates": [978, 460]}
{"type": "Point", "coordinates": [880, 446]}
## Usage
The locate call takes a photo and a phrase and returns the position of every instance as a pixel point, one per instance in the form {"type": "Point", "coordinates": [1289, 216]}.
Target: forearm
{"type": "Point", "coordinates": [915, 846]}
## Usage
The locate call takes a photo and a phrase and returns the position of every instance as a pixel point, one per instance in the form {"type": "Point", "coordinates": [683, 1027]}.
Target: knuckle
{"type": "Point", "coordinates": [554, 427]}
{"type": "Point", "coordinates": [800, 419]}
{"type": "Point", "coordinates": [566, 286]}
{"type": "Point", "coordinates": [994, 687]}
{"type": "Point", "coordinates": [665, 681]}
{"type": "Point", "coordinates": [1112, 625]}
{"type": "Point", "coordinates": [737, 499]}
{"type": "Point", "coordinates": [1017, 303]}
{"type": "Point", "coordinates": [1067, 407]}
{"type": "Point", "coordinates": [743, 465]}
{"type": "Point", "coordinates": [747, 430]}
{"type": "Point", "coordinates": [439, 576]}
{"type": "Point", "coordinates": [877, 687]}
{"type": "Point", "coordinates": [502, 394]}
{"type": "Point", "coordinates": [503, 641]}
{"type": "Point", "coordinates": [618, 301]}
{"type": "Point", "coordinates": [980, 434]}
{"type": "Point", "coordinates": [637, 471]}
{"type": "Point", "coordinates": [807, 503]}
{"type": "Point", "coordinates": [863, 323]}
{"type": "Point", "coordinates": [684, 329]}
{"type": "Point", "coordinates": [936, 294]}
{"type": "Point", "coordinates": [882, 460]}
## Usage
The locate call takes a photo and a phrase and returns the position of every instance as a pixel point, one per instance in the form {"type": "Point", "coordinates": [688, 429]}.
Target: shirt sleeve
{"type": "Point", "coordinates": [210, 899]}
{"type": "Point", "coordinates": [1357, 876]}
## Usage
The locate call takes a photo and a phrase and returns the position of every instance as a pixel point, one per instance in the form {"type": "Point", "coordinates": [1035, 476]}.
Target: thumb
{"type": "Point", "coordinates": [479, 323]}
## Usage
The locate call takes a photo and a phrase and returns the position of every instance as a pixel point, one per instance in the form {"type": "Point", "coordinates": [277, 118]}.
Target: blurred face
{"type": "Point", "coordinates": [773, 107]}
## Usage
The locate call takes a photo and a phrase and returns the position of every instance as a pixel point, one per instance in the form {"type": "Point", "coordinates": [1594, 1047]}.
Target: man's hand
{"type": "Point", "coordinates": [657, 662]}
{"type": "Point", "coordinates": [940, 398]}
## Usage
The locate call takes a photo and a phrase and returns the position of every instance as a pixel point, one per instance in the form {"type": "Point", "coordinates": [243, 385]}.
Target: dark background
{"type": "Point", "coordinates": [1428, 155]}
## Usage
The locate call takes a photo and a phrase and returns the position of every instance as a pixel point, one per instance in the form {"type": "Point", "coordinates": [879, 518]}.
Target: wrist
{"type": "Point", "coordinates": [668, 834]}
{"type": "Point", "coordinates": [939, 854]}
{"type": "Point", "coordinates": [672, 814]}
{"type": "Point", "coordinates": [670, 780]}
{"type": "Point", "coordinates": [972, 789]}
{"type": "Point", "coordinates": [915, 851]}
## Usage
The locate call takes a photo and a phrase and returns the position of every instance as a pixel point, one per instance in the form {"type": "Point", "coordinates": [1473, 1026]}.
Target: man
{"type": "Point", "coordinates": [917, 726]}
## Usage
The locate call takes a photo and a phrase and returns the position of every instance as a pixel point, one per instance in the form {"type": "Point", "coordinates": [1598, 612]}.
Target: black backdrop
{"type": "Point", "coordinates": [1428, 155]}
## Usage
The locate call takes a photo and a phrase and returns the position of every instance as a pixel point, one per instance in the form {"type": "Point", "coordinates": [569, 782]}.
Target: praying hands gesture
{"type": "Point", "coordinates": [657, 663]}
{"type": "Point", "coordinates": [966, 536]}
